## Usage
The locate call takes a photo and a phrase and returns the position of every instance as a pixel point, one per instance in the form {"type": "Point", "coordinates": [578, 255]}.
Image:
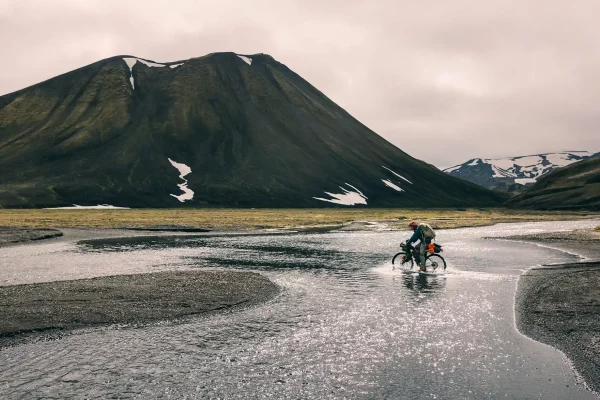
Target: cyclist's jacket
{"type": "Point", "coordinates": [418, 235]}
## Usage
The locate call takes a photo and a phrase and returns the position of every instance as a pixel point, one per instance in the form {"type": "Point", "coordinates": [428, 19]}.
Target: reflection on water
{"type": "Point", "coordinates": [345, 325]}
{"type": "Point", "coordinates": [424, 284]}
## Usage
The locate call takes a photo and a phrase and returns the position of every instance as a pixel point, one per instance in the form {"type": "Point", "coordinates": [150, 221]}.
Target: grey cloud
{"type": "Point", "coordinates": [444, 81]}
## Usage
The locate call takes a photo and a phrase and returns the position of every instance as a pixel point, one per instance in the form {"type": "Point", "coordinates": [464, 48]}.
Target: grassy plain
{"type": "Point", "coordinates": [253, 219]}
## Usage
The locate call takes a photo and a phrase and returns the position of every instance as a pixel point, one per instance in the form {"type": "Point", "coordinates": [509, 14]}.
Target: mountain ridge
{"type": "Point", "coordinates": [575, 186]}
{"type": "Point", "coordinates": [514, 174]}
{"type": "Point", "coordinates": [252, 132]}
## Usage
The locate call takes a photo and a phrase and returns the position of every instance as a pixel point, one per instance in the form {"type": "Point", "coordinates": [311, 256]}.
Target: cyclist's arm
{"type": "Point", "coordinates": [415, 237]}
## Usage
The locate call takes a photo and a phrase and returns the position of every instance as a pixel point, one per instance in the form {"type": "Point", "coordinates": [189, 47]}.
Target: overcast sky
{"type": "Point", "coordinates": [443, 80]}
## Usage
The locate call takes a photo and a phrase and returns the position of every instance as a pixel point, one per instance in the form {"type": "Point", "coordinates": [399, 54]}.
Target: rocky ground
{"type": "Point", "coordinates": [54, 308]}
{"type": "Point", "coordinates": [560, 305]}
{"type": "Point", "coordinates": [13, 235]}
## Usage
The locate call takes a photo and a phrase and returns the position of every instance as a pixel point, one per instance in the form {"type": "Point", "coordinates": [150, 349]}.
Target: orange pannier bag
{"type": "Point", "coordinates": [431, 248]}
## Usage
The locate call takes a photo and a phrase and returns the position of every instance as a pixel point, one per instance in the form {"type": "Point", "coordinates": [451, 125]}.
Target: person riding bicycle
{"type": "Point", "coordinates": [423, 234]}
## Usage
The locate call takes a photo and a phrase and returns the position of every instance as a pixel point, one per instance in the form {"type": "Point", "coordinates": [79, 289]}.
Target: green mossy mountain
{"type": "Point", "coordinates": [254, 135]}
{"type": "Point", "coordinates": [576, 186]}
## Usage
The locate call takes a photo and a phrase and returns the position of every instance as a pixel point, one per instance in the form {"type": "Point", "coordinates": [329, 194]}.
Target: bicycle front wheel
{"type": "Point", "coordinates": [400, 261]}
{"type": "Point", "coordinates": [435, 263]}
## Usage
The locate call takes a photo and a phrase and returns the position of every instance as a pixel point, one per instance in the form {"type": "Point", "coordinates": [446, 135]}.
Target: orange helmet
{"type": "Point", "coordinates": [413, 224]}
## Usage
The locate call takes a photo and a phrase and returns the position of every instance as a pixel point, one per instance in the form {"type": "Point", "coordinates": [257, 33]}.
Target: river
{"type": "Point", "coordinates": [345, 325]}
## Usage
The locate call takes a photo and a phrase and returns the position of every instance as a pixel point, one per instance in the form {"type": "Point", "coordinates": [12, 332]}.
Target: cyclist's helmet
{"type": "Point", "coordinates": [413, 224]}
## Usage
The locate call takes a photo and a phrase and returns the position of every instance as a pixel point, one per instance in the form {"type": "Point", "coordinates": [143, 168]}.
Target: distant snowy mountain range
{"type": "Point", "coordinates": [514, 174]}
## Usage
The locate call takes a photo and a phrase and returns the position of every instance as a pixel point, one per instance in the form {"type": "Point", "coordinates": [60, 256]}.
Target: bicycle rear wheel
{"type": "Point", "coordinates": [400, 261]}
{"type": "Point", "coordinates": [435, 263]}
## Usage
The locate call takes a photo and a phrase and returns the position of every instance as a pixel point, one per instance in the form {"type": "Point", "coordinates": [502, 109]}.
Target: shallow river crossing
{"type": "Point", "coordinates": [344, 326]}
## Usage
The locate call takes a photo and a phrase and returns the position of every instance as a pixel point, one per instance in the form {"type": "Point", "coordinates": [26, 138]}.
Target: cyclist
{"type": "Point", "coordinates": [423, 234]}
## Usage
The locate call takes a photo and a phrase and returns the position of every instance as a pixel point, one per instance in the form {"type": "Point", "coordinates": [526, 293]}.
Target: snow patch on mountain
{"type": "Point", "coordinates": [448, 170]}
{"type": "Point", "coordinates": [501, 173]}
{"type": "Point", "coordinates": [347, 198]}
{"type": "Point", "coordinates": [527, 161]}
{"type": "Point", "coordinates": [247, 60]}
{"type": "Point", "coordinates": [96, 207]}
{"type": "Point", "coordinates": [397, 174]}
{"type": "Point", "coordinates": [131, 61]}
{"type": "Point", "coordinates": [392, 185]}
{"type": "Point", "coordinates": [525, 181]}
{"type": "Point", "coordinates": [151, 63]}
{"type": "Point", "coordinates": [184, 170]}
{"type": "Point", "coordinates": [358, 191]}
{"type": "Point", "coordinates": [564, 159]}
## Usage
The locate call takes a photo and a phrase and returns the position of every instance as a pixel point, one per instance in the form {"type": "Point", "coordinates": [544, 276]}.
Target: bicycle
{"type": "Point", "coordinates": [434, 263]}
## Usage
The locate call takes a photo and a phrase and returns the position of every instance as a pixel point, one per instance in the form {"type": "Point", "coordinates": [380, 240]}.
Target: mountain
{"type": "Point", "coordinates": [516, 173]}
{"type": "Point", "coordinates": [219, 130]}
{"type": "Point", "coordinates": [576, 186]}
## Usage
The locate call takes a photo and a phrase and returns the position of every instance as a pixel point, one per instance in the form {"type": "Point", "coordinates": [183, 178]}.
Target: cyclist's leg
{"type": "Point", "coordinates": [422, 252]}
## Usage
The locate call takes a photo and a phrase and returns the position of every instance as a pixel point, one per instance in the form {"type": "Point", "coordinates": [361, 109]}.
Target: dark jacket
{"type": "Point", "coordinates": [417, 235]}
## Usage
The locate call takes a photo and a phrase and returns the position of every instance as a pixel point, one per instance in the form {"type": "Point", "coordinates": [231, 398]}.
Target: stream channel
{"type": "Point", "coordinates": [344, 326]}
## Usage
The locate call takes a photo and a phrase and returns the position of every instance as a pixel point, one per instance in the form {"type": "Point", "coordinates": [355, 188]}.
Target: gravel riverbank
{"type": "Point", "coordinates": [13, 235]}
{"type": "Point", "coordinates": [560, 304]}
{"type": "Point", "coordinates": [54, 308]}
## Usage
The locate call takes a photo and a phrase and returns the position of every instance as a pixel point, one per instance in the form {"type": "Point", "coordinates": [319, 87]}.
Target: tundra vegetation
{"type": "Point", "coordinates": [255, 219]}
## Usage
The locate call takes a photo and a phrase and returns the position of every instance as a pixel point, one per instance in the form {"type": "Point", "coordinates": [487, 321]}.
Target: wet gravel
{"type": "Point", "coordinates": [560, 305]}
{"type": "Point", "coordinates": [51, 309]}
{"type": "Point", "coordinates": [12, 235]}
{"type": "Point", "coordinates": [585, 242]}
